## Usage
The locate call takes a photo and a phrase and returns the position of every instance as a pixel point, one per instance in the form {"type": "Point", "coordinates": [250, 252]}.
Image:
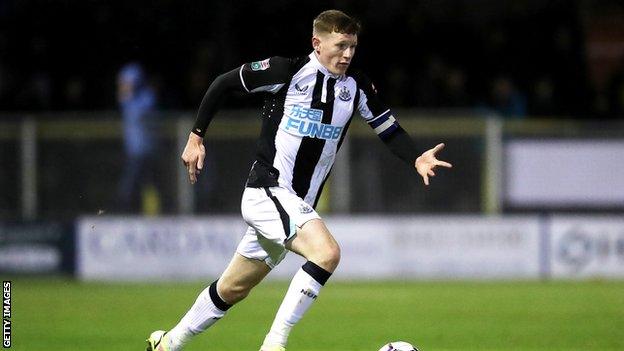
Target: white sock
{"type": "Point", "coordinates": [206, 311]}
{"type": "Point", "coordinates": [303, 290]}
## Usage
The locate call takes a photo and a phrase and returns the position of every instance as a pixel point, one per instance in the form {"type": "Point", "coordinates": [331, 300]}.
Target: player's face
{"type": "Point", "coordinates": [335, 50]}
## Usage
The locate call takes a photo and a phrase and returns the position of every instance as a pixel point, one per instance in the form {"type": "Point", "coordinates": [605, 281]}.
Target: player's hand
{"type": "Point", "coordinates": [193, 156]}
{"type": "Point", "coordinates": [427, 162]}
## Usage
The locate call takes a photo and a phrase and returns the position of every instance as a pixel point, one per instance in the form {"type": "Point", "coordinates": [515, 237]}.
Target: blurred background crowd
{"type": "Point", "coordinates": [529, 57]}
{"type": "Point", "coordinates": [114, 81]}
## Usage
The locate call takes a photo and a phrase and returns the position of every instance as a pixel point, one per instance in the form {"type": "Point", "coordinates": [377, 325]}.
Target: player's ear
{"type": "Point", "coordinates": [316, 44]}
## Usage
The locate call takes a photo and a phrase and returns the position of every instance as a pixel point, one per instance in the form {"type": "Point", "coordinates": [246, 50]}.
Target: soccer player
{"type": "Point", "coordinates": [310, 102]}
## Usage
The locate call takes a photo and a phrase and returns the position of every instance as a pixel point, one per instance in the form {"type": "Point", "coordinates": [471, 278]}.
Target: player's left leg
{"type": "Point", "coordinates": [314, 242]}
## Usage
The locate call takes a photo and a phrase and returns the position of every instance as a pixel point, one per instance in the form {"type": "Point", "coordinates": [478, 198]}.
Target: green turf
{"type": "Point", "coordinates": [56, 314]}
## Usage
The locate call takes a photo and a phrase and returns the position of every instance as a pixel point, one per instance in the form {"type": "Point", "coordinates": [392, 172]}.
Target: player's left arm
{"type": "Point", "coordinates": [380, 118]}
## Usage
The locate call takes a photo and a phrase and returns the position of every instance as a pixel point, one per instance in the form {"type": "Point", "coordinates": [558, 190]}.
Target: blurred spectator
{"type": "Point", "coordinates": [34, 92]}
{"type": "Point", "coordinates": [455, 94]}
{"type": "Point", "coordinates": [137, 102]}
{"type": "Point", "coordinates": [505, 99]}
{"type": "Point", "coordinates": [74, 92]}
{"type": "Point", "coordinates": [543, 101]}
{"type": "Point", "coordinates": [42, 90]}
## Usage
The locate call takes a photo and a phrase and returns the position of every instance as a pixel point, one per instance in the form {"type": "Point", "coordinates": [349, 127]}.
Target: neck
{"type": "Point", "coordinates": [318, 58]}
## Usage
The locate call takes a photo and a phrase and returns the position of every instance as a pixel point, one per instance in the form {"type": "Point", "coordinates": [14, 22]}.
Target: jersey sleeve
{"type": "Point", "coordinates": [381, 120]}
{"type": "Point", "coordinates": [373, 110]}
{"type": "Point", "coordinates": [268, 75]}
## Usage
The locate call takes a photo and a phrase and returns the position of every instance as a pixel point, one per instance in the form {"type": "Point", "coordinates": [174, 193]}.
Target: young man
{"type": "Point", "coordinates": [309, 104]}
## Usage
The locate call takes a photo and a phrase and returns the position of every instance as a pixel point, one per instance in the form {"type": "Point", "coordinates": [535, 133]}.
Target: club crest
{"type": "Point", "coordinates": [344, 94]}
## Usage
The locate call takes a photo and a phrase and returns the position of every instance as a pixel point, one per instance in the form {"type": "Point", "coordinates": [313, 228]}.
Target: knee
{"type": "Point", "coordinates": [232, 293]}
{"type": "Point", "coordinates": [329, 258]}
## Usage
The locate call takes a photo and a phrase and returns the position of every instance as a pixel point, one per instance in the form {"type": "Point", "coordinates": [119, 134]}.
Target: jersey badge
{"type": "Point", "coordinates": [344, 94]}
{"type": "Point", "coordinates": [260, 65]}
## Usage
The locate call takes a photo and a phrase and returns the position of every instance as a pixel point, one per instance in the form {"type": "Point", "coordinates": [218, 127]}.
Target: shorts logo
{"type": "Point", "coordinates": [344, 94]}
{"type": "Point", "coordinates": [305, 208]}
{"type": "Point", "coordinates": [260, 65]}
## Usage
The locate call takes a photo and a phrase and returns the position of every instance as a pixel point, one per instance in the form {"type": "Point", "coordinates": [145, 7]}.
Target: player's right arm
{"type": "Point", "coordinates": [268, 75]}
{"type": "Point", "coordinates": [194, 151]}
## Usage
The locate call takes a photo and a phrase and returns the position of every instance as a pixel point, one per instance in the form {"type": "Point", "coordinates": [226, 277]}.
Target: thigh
{"type": "Point", "coordinates": [243, 272]}
{"type": "Point", "coordinates": [313, 237]}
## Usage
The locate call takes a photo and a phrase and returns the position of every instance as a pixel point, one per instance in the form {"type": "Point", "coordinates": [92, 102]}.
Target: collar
{"type": "Point", "coordinates": [315, 61]}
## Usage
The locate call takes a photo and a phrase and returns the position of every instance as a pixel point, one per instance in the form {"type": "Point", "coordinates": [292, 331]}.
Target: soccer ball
{"type": "Point", "coordinates": [398, 346]}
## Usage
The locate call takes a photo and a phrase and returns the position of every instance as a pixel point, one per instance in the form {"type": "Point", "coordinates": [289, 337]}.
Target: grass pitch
{"type": "Point", "coordinates": [58, 314]}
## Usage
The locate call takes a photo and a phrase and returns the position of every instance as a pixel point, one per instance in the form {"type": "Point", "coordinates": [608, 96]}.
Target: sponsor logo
{"type": "Point", "coordinates": [305, 121]}
{"type": "Point", "coordinates": [308, 294]}
{"type": "Point", "coordinates": [312, 114]}
{"type": "Point", "coordinates": [301, 90]}
{"type": "Point", "coordinates": [260, 65]}
{"type": "Point", "coordinates": [580, 248]}
{"type": "Point", "coordinates": [575, 250]}
{"type": "Point", "coordinates": [344, 94]}
{"type": "Point", "coordinates": [305, 208]}
{"type": "Point", "coordinates": [141, 241]}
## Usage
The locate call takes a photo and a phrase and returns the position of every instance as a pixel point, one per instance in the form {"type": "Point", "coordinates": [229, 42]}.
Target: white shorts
{"type": "Point", "coordinates": [273, 215]}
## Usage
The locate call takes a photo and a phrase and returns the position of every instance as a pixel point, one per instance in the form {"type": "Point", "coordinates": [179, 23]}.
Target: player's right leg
{"type": "Point", "coordinates": [284, 222]}
{"type": "Point", "coordinates": [241, 275]}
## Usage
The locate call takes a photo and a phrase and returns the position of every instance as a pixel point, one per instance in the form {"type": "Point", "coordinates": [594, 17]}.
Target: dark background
{"type": "Point", "coordinates": [64, 55]}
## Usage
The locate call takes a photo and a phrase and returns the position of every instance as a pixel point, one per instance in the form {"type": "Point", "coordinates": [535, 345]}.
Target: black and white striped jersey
{"type": "Point", "coordinates": [305, 119]}
{"type": "Point", "coordinates": [306, 114]}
